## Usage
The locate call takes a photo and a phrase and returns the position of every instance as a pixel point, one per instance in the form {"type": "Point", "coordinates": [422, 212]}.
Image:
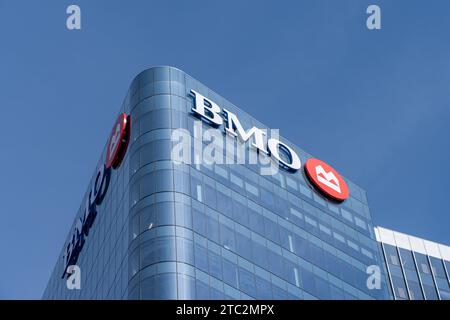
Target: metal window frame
{"type": "Point", "coordinates": [388, 270]}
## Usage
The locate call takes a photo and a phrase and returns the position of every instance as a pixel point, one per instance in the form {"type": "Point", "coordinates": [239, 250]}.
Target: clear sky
{"type": "Point", "coordinates": [373, 104]}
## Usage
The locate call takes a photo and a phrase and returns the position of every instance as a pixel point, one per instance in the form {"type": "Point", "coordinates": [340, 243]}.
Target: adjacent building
{"type": "Point", "coordinates": [418, 269]}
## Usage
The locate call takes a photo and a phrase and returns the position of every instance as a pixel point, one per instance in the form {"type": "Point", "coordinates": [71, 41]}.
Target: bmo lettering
{"type": "Point", "coordinates": [212, 114]}
{"type": "Point", "coordinates": [116, 149]}
{"type": "Point", "coordinates": [321, 175]}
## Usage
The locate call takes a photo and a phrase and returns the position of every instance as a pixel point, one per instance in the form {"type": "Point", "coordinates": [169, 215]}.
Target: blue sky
{"type": "Point", "coordinates": [374, 104]}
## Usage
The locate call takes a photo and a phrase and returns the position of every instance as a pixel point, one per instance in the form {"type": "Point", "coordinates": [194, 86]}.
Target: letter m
{"type": "Point", "coordinates": [234, 127]}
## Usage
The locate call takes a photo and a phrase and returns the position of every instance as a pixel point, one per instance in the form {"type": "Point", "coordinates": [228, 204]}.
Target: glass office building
{"type": "Point", "coordinates": [167, 230]}
{"type": "Point", "coordinates": [418, 269]}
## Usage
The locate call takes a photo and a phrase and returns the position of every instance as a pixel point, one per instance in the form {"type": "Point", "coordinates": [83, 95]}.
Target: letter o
{"type": "Point", "coordinates": [274, 149]}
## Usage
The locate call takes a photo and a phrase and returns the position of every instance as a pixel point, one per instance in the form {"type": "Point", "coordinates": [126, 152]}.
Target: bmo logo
{"type": "Point", "coordinates": [118, 142]}
{"type": "Point", "coordinates": [324, 178]}
{"type": "Point", "coordinates": [115, 152]}
{"type": "Point", "coordinates": [327, 180]}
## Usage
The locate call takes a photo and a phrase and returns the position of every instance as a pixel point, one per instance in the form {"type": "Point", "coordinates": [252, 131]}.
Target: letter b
{"type": "Point", "coordinates": [206, 109]}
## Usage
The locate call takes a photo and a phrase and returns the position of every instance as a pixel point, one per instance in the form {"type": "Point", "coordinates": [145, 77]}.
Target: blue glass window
{"type": "Point", "coordinates": [240, 213]}
{"type": "Point", "coordinates": [185, 251]}
{"type": "Point", "coordinates": [422, 263]}
{"type": "Point", "coordinates": [256, 221]}
{"type": "Point", "coordinates": [399, 288]}
{"type": "Point", "coordinates": [202, 290]}
{"type": "Point", "coordinates": [430, 292]}
{"type": "Point", "coordinates": [186, 287]}
{"type": "Point", "coordinates": [157, 250]}
{"type": "Point", "coordinates": [407, 259]}
{"type": "Point", "coordinates": [201, 258]}
{"type": "Point", "coordinates": [275, 263]}
{"type": "Point", "coordinates": [165, 213]}
{"type": "Point", "coordinates": [215, 265]}
{"type": "Point", "coordinates": [391, 254]}
{"type": "Point", "coordinates": [260, 255]}
{"type": "Point", "coordinates": [263, 289]}
{"type": "Point", "coordinates": [438, 267]}
{"type": "Point", "coordinates": [165, 286]}
{"type": "Point", "coordinates": [216, 294]}
{"type": "Point", "coordinates": [271, 230]}
{"type": "Point", "coordinates": [224, 204]}
{"type": "Point", "coordinates": [323, 289]}
{"type": "Point", "coordinates": [307, 280]}
{"type": "Point", "coordinates": [415, 291]}
{"type": "Point", "coordinates": [212, 227]}
{"type": "Point", "coordinates": [279, 293]}
{"type": "Point", "coordinates": [230, 273]}
{"type": "Point", "coordinates": [199, 222]}
{"type": "Point", "coordinates": [243, 245]}
{"type": "Point", "coordinates": [210, 195]}
{"type": "Point", "coordinates": [227, 237]}
{"type": "Point", "coordinates": [336, 293]}
{"type": "Point", "coordinates": [247, 282]}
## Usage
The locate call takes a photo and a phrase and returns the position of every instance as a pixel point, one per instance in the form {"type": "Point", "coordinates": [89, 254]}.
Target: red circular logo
{"type": "Point", "coordinates": [118, 141]}
{"type": "Point", "coordinates": [326, 179]}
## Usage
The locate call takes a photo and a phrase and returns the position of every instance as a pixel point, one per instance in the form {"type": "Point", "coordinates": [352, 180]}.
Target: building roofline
{"type": "Point", "coordinates": [405, 241]}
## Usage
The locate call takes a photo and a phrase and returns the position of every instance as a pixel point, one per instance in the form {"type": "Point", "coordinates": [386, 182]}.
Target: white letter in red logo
{"type": "Point", "coordinates": [326, 179]}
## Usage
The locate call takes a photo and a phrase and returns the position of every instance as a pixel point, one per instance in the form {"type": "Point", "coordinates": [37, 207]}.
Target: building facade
{"type": "Point", "coordinates": [201, 230]}
{"type": "Point", "coordinates": [418, 269]}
